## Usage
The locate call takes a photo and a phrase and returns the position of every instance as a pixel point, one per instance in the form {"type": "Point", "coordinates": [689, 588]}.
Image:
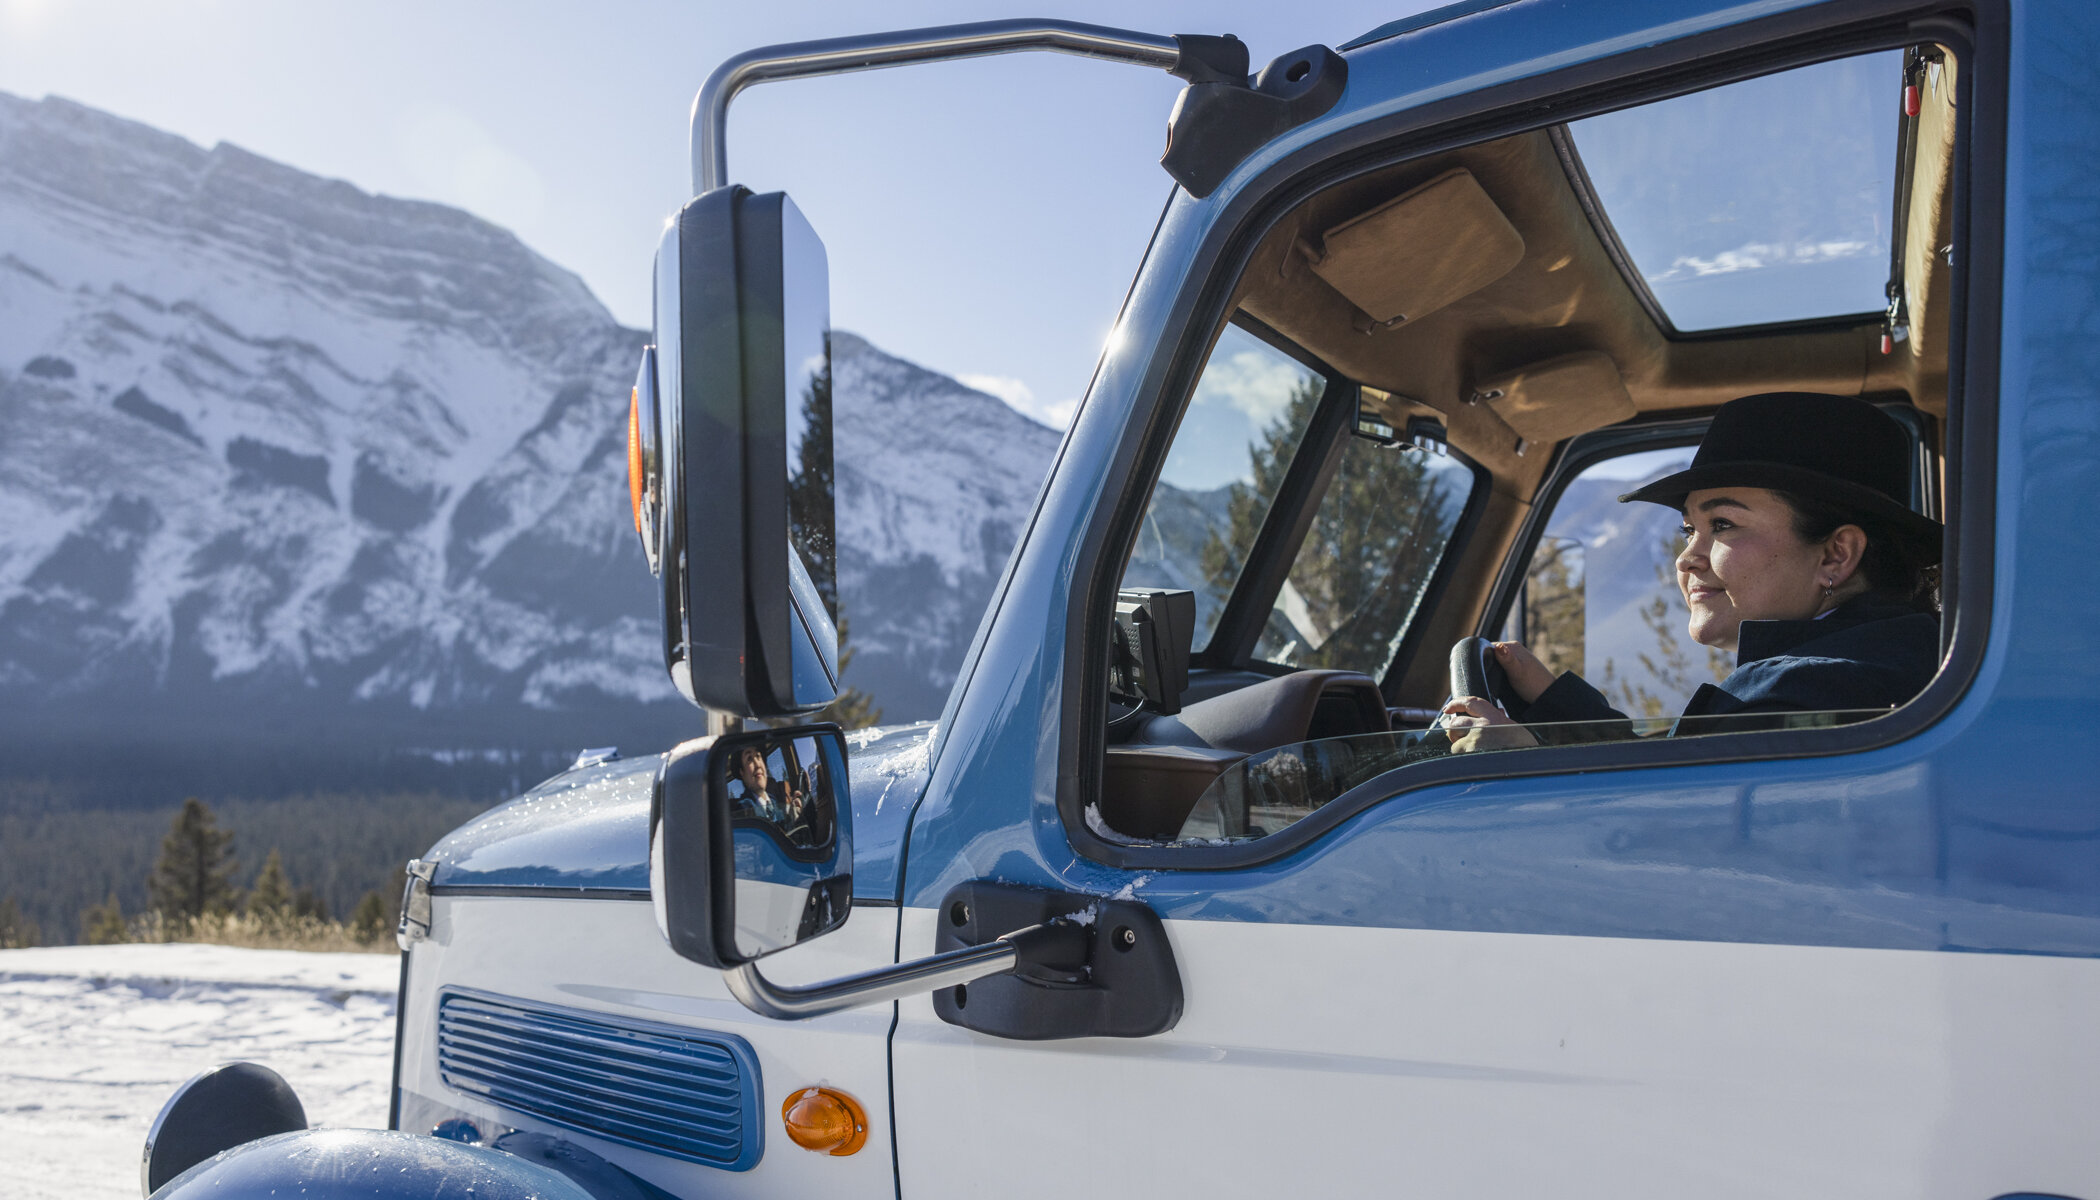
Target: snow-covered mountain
{"type": "Point", "coordinates": [935, 481]}
{"type": "Point", "coordinates": [285, 463]}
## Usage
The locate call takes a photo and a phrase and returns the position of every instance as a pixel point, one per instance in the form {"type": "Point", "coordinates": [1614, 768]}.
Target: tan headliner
{"type": "Point", "coordinates": [1564, 296]}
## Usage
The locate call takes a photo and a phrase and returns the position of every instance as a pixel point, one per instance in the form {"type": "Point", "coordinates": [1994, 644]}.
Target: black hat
{"type": "Point", "coordinates": [1839, 450]}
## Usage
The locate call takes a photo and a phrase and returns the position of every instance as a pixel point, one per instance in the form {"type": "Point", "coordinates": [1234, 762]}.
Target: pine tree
{"type": "Point", "coordinates": [812, 526]}
{"type": "Point", "coordinates": [1555, 605]}
{"type": "Point", "coordinates": [271, 897]}
{"type": "Point", "coordinates": [812, 499]}
{"type": "Point", "coordinates": [103, 924]}
{"type": "Point", "coordinates": [368, 920]}
{"type": "Point", "coordinates": [854, 709]}
{"type": "Point", "coordinates": [1247, 503]}
{"type": "Point", "coordinates": [17, 931]}
{"type": "Point", "coordinates": [307, 903]}
{"type": "Point", "coordinates": [194, 874]}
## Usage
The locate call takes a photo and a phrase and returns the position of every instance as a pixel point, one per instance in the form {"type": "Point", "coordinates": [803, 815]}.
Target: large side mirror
{"type": "Point", "coordinates": [730, 456]}
{"type": "Point", "coordinates": [751, 844]}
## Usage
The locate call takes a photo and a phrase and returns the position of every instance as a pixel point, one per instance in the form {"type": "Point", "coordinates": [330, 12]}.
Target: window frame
{"type": "Point", "coordinates": [1975, 32]}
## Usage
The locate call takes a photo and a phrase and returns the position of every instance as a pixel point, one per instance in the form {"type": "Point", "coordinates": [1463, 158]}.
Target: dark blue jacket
{"type": "Point", "coordinates": [1867, 654]}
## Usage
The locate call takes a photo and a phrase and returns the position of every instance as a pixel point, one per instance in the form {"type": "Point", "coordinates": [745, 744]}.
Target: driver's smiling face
{"type": "Point", "coordinates": [751, 768]}
{"type": "Point", "coordinates": [1742, 561]}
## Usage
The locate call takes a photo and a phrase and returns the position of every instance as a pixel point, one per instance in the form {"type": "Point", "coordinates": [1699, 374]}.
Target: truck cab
{"type": "Point", "coordinates": [1244, 919]}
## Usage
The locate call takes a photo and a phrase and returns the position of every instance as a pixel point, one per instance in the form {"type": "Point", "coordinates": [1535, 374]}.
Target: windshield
{"type": "Point", "coordinates": [1265, 793]}
{"type": "Point", "coordinates": [1366, 559]}
{"type": "Point", "coordinates": [1234, 447]}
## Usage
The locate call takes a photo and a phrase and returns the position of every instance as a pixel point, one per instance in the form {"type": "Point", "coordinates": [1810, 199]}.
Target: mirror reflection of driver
{"type": "Point", "coordinates": [770, 798]}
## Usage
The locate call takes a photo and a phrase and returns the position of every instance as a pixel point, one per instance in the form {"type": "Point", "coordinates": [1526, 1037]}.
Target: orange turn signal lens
{"type": "Point", "coordinates": [634, 454]}
{"type": "Point", "coordinates": [825, 1120]}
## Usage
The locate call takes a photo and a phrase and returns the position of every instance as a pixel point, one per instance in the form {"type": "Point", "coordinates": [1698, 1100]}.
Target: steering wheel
{"type": "Point", "coordinates": [1474, 672]}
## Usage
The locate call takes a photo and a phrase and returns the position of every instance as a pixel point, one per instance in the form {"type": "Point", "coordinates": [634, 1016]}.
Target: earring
{"type": "Point", "coordinates": [1827, 589]}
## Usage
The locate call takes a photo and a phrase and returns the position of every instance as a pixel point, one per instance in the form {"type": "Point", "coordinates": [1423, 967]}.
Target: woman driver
{"type": "Point", "coordinates": [1799, 556]}
{"type": "Point", "coordinates": [773, 799]}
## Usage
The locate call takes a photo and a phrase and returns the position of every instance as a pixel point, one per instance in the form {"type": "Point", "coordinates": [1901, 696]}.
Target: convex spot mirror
{"type": "Point", "coordinates": [730, 456]}
{"type": "Point", "coordinates": [751, 844]}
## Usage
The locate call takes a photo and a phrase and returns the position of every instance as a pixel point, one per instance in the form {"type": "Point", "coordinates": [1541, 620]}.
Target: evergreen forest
{"type": "Point", "coordinates": [71, 874]}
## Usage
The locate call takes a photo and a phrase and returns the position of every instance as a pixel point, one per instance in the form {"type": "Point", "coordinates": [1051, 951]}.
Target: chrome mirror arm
{"type": "Point", "coordinates": [755, 992]}
{"type": "Point", "coordinates": [866, 52]}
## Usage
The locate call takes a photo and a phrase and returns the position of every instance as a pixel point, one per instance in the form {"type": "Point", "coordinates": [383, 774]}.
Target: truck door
{"type": "Point", "coordinates": [1641, 964]}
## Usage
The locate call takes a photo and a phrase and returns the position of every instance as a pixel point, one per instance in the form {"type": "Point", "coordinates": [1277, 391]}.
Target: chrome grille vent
{"type": "Point", "coordinates": [658, 1088]}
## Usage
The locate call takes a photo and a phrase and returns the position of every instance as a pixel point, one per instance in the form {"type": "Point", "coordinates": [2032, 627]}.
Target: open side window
{"type": "Point", "coordinates": [1605, 281]}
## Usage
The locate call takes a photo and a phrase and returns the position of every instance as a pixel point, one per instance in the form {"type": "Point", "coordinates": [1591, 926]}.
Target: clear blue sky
{"type": "Point", "coordinates": [983, 218]}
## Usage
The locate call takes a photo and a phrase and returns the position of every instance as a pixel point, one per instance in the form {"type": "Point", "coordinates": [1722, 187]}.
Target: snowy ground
{"type": "Point", "coordinates": [94, 1038]}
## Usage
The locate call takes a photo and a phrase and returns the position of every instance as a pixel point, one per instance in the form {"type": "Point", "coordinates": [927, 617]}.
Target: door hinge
{"type": "Point", "coordinates": [1113, 975]}
{"type": "Point", "coordinates": [415, 904]}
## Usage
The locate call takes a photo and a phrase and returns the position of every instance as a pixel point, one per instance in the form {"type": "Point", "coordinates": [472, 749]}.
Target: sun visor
{"type": "Point", "coordinates": [1420, 251]}
{"type": "Point", "coordinates": [1926, 276]}
{"type": "Point", "coordinates": [1557, 398]}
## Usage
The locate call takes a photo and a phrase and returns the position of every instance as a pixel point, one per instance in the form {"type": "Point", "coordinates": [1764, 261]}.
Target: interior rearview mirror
{"type": "Point", "coordinates": [751, 844]}
{"type": "Point", "coordinates": [730, 456]}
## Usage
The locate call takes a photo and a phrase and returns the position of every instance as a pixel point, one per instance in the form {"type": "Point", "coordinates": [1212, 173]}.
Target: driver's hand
{"type": "Point", "coordinates": [1527, 675]}
{"type": "Point", "coordinates": [1476, 724]}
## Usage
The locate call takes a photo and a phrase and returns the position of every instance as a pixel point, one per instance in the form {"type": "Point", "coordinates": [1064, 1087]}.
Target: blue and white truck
{"type": "Point", "coordinates": [1184, 893]}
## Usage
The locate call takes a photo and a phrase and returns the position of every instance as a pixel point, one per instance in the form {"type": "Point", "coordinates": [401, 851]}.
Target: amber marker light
{"type": "Point", "coordinates": [645, 460]}
{"type": "Point", "coordinates": [826, 1120]}
{"type": "Point", "coordinates": [634, 455]}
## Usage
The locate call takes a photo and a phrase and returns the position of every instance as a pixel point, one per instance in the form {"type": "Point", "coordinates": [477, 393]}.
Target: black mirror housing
{"type": "Point", "coordinates": [689, 855]}
{"type": "Point", "coordinates": [1149, 658]}
{"type": "Point", "coordinates": [751, 843]}
{"type": "Point", "coordinates": [745, 525]}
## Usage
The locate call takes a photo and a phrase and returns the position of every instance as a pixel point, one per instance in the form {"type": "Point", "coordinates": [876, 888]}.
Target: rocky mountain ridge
{"type": "Point", "coordinates": [291, 470]}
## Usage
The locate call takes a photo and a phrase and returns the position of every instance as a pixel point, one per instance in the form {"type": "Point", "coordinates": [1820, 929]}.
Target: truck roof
{"type": "Point", "coordinates": [1422, 20]}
